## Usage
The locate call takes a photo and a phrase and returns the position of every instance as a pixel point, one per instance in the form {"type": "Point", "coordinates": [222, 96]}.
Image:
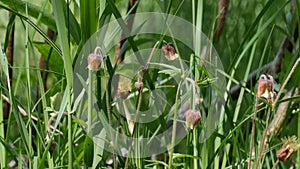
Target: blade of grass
{"type": "Point", "coordinates": [3, 161]}
{"type": "Point", "coordinates": [27, 65]}
{"type": "Point", "coordinates": [89, 18]}
{"type": "Point", "coordinates": [246, 48]}
{"type": "Point", "coordinates": [62, 33]}
{"type": "Point", "coordinates": [33, 10]}
{"type": "Point", "coordinates": [298, 15]}
{"type": "Point", "coordinates": [125, 29]}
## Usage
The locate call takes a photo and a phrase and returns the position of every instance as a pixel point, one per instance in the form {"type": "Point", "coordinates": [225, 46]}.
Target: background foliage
{"type": "Point", "coordinates": [47, 35]}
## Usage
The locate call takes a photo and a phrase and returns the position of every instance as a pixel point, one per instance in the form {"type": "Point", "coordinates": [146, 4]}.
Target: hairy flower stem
{"type": "Point", "coordinates": [90, 102]}
{"type": "Point", "coordinates": [195, 149]}
{"type": "Point", "coordinates": [140, 101]}
{"type": "Point", "coordinates": [174, 125]}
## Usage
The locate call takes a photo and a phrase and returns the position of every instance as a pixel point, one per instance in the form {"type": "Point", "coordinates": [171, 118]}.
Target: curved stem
{"type": "Point", "coordinates": [174, 125]}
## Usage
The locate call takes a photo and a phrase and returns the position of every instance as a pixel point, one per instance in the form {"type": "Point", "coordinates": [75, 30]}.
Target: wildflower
{"type": "Point", "coordinates": [169, 51]}
{"type": "Point", "coordinates": [192, 118]}
{"type": "Point", "coordinates": [94, 61]}
{"type": "Point", "coordinates": [265, 87]}
{"type": "Point", "coordinates": [138, 85]}
{"type": "Point", "coordinates": [289, 147]}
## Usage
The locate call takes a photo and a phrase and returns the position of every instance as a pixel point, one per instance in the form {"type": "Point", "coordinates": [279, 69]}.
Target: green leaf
{"type": "Point", "coordinates": [18, 6]}
{"type": "Point", "coordinates": [99, 147]}
{"type": "Point", "coordinates": [53, 58]}
{"type": "Point", "coordinates": [89, 18]}
{"type": "Point", "coordinates": [3, 62]}
{"type": "Point", "coordinates": [88, 151]}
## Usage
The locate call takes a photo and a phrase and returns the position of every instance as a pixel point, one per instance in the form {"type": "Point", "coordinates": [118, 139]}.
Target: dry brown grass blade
{"type": "Point", "coordinates": [10, 58]}
{"type": "Point", "coordinates": [281, 113]}
{"type": "Point", "coordinates": [129, 23]}
{"type": "Point", "coordinates": [223, 7]}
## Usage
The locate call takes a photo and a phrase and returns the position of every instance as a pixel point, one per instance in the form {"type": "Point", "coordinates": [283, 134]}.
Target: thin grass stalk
{"type": "Point", "coordinates": [276, 164]}
{"type": "Point", "coordinates": [28, 90]}
{"type": "Point", "coordinates": [3, 156]}
{"type": "Point", "coordinates": [44, 105]}
{"type": "Point", "coordinates": [263, 140]}
{"type": "Point", "coordinates": [108, 108]}
{"type": "Point", "coordinates": [60, 23]}
{"type": "Point", "coordinates": [298, 153]}
{"type": "Point", "coordinates": [140, 100]}
{"type": "Point", "coordinates": [10, 58]}
{"type": "Point", "coordinates": [174, 125]}
{"type": "Point", "coordinates": [252, 132]}
{"type": "Point", "coordinates": [286, 81]}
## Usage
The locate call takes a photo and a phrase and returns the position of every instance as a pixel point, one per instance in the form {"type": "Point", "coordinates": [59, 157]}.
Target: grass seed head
{"type": "Point", "coordinates": [192, 118]}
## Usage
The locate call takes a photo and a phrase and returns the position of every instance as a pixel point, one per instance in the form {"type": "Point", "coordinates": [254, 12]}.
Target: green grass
{"type": "Point", "coordinates": [251, 38]}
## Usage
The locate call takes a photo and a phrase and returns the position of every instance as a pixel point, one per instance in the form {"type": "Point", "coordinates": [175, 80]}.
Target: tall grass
{"type": "Point", "coordinates": [250, 40]}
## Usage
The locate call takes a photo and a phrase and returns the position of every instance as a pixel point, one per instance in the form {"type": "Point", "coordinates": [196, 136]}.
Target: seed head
{"type": "Point", "coordinates": [192, 118]}
{"type": "Point", "coordinates": [124, 87]}
{"type": "Point", "coordinates": [289, 147]}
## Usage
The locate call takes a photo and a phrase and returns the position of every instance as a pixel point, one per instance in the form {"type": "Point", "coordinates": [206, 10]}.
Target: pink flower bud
{"type": "Point", "coordinates": [192, 118]}
{"type": "Point", "coordinates": [94, 61]}
{"type": "Point", "coordinates": [138, 85]}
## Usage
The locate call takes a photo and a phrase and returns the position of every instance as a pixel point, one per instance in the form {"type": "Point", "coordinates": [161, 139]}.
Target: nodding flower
{"type": "Point", "coordinates": [169, 51]}
{"type": "Point", "coordinates": [94, 61]}
{"type": "Point", "coordinates": [265, 87]}
{"type": "Point", "coordinates": [192, 118]}
{"type": "Point", "coordinates": [289, 147]}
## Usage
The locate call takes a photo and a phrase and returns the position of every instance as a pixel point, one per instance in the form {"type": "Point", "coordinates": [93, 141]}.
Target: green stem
{"type": "Point", "coordinates": [195, 150]}
{"type": "Point", "coordinates": [174, 125]}
{"type": "Point", "coordinates": [2, 136]}
{"type": "Point", "coordinates": [70, 157]}
{"type": "Point", "coordinates": [108, 110]}
{"type": "Point", "coordinates": [90, 101]}
{"type": "Point", "coordinates": [29, 92]}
